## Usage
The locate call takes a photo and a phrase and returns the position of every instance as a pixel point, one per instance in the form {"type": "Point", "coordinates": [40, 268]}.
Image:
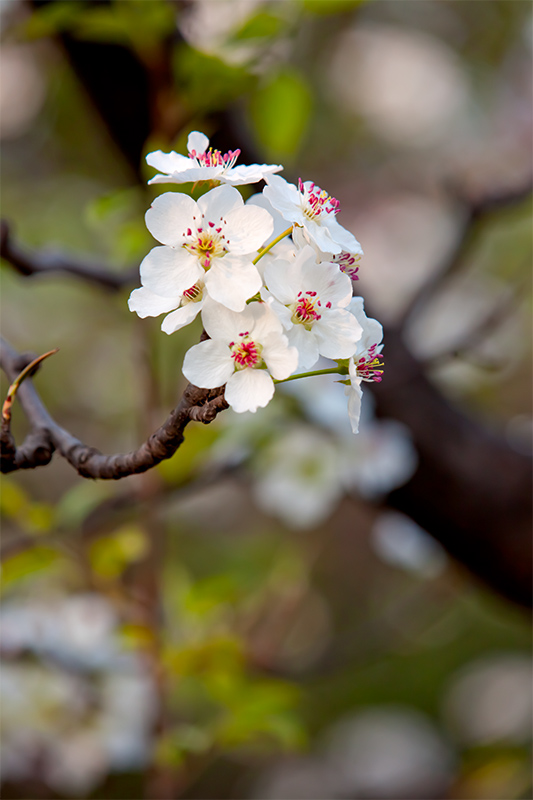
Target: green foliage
{"type": "Point", "coordinates": [28, 564]}
{"type": "Point", "coordinates": [208, 82]}
{"type": "Point", "coordinates": [263, 25]}
{"type": "Point", "coordinates": [31, 516]}
{"type": "Point", "coordinates": [280, 112]}
{"type": "Point", "coordinates": [140, 25]}
{"type": "Point", "coordinates": [110, 555]}
{"type": "Point", "coordinates": [328, 7]}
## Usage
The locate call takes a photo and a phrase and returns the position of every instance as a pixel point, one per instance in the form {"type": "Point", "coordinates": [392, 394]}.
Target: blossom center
{"type": "Point", "coordinates": [206, 243]}
{"type": "Point", "coordinates": [246, 352]}
{"type": "Point", "coordinates": [214, 158]}
{"type": "Point", "coordinates": [369, 367]}
{"type": "Point", "coordinates": [348, 263]}
{"type": "Point", "coordinates": [305, 309]}
{"type": "Point", "coordinates": [316, 202]}
{"type": "Point", "coordinates": [193, 294]}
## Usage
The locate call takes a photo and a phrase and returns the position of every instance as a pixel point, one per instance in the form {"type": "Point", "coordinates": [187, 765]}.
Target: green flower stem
{"type": "Point", "coordinates": [332, 371]}
{"type": "Point", "coordinates": [271, 245]}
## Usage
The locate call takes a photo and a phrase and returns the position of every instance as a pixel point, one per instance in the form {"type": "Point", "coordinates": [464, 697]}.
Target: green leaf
{"type": "Point", "coordinates": [28, 563]}
{"type": "Point", "coordinates": [208, 82]}
{"type": "Point", "coordinates": [110, 555]}
{"type": "Point", "coordinates": [329, 7]}
{"type": "Point", "coordinates": [280, 112]}
{"type": "Point", "coordinates": [51, 19]}
{"type": "Point", "coordinates": [260, 26]}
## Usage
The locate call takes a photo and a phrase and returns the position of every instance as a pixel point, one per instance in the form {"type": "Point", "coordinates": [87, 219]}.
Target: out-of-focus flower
{"type": "Point", "coordinates": [312, 209]}
{"type": "Point", "coordinates": [310, 301]}
{"type": "Point", "coordinates": [206, 244]}
{"type": "Point", "coordinates": [401, 542]}
{"type": "Point", "coordinates": [491, 700]}
{"type": "Point", "coordinates": [302, 475]}
{"type": "Point", "coordinates": [205, 164]}
{"type": "Point", "coordinates": [244, 351]}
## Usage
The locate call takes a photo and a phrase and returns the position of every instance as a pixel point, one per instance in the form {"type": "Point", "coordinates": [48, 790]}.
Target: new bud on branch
{"type": "Point", "coordinates": [271, 279]}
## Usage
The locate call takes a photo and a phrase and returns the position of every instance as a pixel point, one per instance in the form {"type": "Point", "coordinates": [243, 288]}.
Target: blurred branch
{"type": "Point", "coordinates": [30, 264]}
{"type": "Point", "coordinates": [471, 490]}
{"type": "Point", "coordinates": [480, 332]}
{"type": "Point", "coordinates": [474, 214]}
{"type": "Point", "coordinates": [45, 436]}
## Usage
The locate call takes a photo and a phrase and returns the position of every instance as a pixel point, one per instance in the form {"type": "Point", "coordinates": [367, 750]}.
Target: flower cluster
{"type": "Point", "coordinates": [271, 278]}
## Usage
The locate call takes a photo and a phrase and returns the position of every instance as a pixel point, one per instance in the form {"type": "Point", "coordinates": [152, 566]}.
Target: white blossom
{"type": "Point", "coordinates": [185, 308]}
{"type": "Point", "coordinates": [208, 244]}
{"type": "Point", "coordinates": [348, 262]}
{"type": "Point", "coordinates": [311, 208]}
{"type": "Point", "coordinates": [310, 299]}
{"type": "Point", "coordinates": [245, 352]}
{"type": "Point", "coordinates": [205, 164]}
{"type": "Point", "coordinates": [364, 364]}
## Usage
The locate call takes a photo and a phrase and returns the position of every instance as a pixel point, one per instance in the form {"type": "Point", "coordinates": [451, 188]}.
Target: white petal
{"type": "Point", "coordinates": [183, 316]}
{"type": "Point", "coordinates": [322, 237]}
{"type": "Point", "coordinates": [263, 321]}
{"type": "Point", "coordinates": [215, 204]}
{"type": "Point", "coordinates": [241, 175]}
{"type": "Point", "coordinates": [148, 304]}
{"type": "Point", "coordinates": [355, 395]}
{"type": "Point", "coordinates": [247, 228]}
{"type": "Point", "coordinates": [198, 142]}
{"type": "Point", "coordinates": [170, 216]}
{"type": "Point", "coordinates": [280, 224]}
{"type": "Point", "coordinates": [336, 334]}
{"type": "Point", "coordinates": [284, 196]}
{"type": "Point", "coordinates": [168, 162]}
{"type": "Point", "coordinates": [283, 280]}
{"type": "Point", "coordinates": [169, 272]}
{"type": "Point", "coordinates": [280, 359]}
{"type": "Point", "coordinates": [208, 364]}
{"type": "Point", "coordinates": [223, 324]}
{"type": "Point", "coordinates": [249, 389]}
{"type": "Point", "coordinates": [372, 329]}
{"type": "Point", "coordinates": [232, 280]}
{"type": "Point", "coordinates": [190, 174]}
{"type": "Point", "coordinates": [306, 344]}
{"type": "Point", "coordinates": [326, 280]}
{"type": "Point", "coordinates": [342, 237]}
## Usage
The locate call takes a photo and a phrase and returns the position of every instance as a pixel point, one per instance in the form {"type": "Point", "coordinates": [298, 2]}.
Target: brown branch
{"type": "Point", "coordinates": [201, 405]}
{"type": "Point", "coordinates": [474, 214]}
{"type": "Point", "coordinates": [31, 264]}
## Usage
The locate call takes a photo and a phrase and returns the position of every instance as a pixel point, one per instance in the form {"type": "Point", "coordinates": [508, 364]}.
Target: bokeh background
{"type": "Point", "coordinates": [264, 615]}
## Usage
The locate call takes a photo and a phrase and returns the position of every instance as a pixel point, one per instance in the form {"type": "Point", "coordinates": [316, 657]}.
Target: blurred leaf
{"type": "Point", "coordinates": [208, 82]}
{"type": "Point", "coordinates": [13, 499]}
{"type": "Point", "coordinates": [17, 505]}
{"type": "Point", "coordinates": [26, 564]}
{"type": "Point", "coordinates": [51, 19]}
{"type": "Point", "coordinates": [220, 656]}
{"type": "Point", "coordinates": [327, 7]}
{"type": "Point", "coordinates": [76, 504]}
{"type": "Point", "coordinates": [110, 555]}
{"type": "Point", "coordinates": [175, 745]}
{"type": "Point", "coordinates": [197, 445]}
{"type": "Point", "coordinates": [280, 112]}
{"type": "Point", "coordinates": [258, 708]}
{"type": "Point", "coordinates": [260, 26]}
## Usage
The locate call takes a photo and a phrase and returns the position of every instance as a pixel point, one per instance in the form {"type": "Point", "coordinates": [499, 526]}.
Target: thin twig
{"type": "Point", "coordinates": [30, 264]}
{"type": "Point", "coordinates": [474, 214]}
{"type": "Point", "coordinates": [201, 405]}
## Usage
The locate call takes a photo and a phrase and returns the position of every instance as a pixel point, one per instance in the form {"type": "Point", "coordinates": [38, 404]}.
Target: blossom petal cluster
{"type": "Point", "coordinates": [203, 163]}
{"type": "Point", "coordinates": [272, 279]}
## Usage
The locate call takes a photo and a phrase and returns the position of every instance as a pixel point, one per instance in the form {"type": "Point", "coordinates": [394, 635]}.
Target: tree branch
{"type": "Point", "coordinates": [30, 264]}
{"type": "Point", "coordinates": [201, 405]}
{"type": "Point", "coordinates": [474, 213]}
